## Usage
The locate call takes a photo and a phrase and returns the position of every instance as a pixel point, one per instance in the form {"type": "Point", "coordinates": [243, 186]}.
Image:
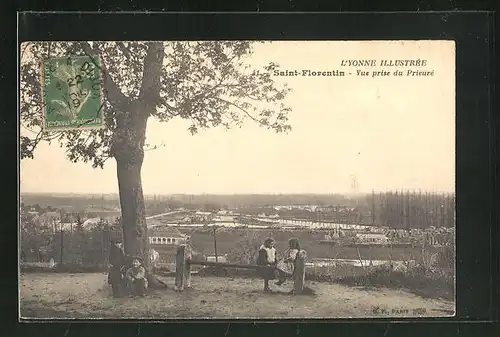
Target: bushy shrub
{"type": "Point", "coordinates": [247, 248]}
{"type": "Point", "coordinates": [419, 278]}
{"type": "Point", "coordinates": [79, 247]}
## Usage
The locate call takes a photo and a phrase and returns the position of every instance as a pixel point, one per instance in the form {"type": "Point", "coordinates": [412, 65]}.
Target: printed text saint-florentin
{"type": "Point", "coordinates": [353, 63]}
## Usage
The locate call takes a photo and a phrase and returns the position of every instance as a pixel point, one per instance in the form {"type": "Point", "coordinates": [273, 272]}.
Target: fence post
{"type": "Point", "coordinates": [187, 267]}
{"type": "Point", "coordinates": [215, 244]}
{"type": "Point", "coordinates": [300, 272]}
{"type": "Point", "coordinates": [62, 248]}
{"type": "Point", "coordinates": [180, 264]}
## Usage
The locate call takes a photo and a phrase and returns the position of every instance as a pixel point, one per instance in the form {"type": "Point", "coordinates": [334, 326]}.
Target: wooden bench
{"type": "Point", "coordinates": [183, 268]}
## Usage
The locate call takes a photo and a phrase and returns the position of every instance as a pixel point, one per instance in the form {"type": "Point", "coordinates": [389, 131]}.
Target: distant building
{"type": "Point", "coordinates": [220, 258]}
{"type": "Point", "coordinates": [153, 223]}
{"type": "Point", "coordinates": [103, 213]}
{"type": "Point", "coordinates": [49, 217]}
{"type": "Point", "coordinates": [159, 237]}
{"type": "Point", "coordinates": [332, 209]}
{"type": "Point", "coordinates": [326, 209]}
{"type": "Point", "coordinates": [372, 238]}
{"type": "Point", "coordinates": [282, 207]}
{"type": "Point", "coordinates": [224, 218]}
{"type": "Point", "coordinates": [89, 223]}
{"type": "Point", "coordinates": [186, 219]}
{"type": "Point", "coordinates": [68, 226]}
{"type": "Point", "coordinates": [225, 212]}
{"type": "Point", "coordinates": [203, 213]}
{"type": "Point", "coordinates": [47, 221]}
{"type": "Point", "coordinates": [203, 216]}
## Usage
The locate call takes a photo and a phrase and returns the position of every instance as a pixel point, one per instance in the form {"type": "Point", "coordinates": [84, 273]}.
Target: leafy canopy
{"type": "Point", "coordinates": [208, 83]}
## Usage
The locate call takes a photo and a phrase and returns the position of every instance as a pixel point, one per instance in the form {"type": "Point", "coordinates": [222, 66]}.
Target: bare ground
{"type": "Point", "coordinates": [44, 295]}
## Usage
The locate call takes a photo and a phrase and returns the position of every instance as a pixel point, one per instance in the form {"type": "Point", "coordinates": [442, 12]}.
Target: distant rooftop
{"type": "Point", "coordinates": [165, 232]}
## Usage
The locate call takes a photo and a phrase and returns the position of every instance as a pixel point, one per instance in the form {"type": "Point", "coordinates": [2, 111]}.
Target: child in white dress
{"type": "Point", "coordinates": [267, 257]}
{"type": "Point", "coordinates": [286, 266]}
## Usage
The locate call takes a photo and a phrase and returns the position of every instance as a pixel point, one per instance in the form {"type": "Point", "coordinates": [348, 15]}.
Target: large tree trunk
{"type": "Point", "coordinates": [129, 154]}
{"type": "Point", "coordinates": [128, 149]}
{"type": "Point", "coordinates": [132, 208]}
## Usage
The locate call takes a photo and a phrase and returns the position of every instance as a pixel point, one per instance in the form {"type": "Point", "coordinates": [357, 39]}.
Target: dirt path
{"type": "Point", "coordinates": [88, 296]}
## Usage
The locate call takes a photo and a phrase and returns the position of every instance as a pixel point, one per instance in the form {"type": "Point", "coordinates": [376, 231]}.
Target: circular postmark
{"type": "Point", "coordinates": [72, 92]}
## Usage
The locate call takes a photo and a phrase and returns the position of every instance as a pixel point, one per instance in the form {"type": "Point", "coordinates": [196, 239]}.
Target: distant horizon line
{"type": "Point", "coordinates": [252, 193]}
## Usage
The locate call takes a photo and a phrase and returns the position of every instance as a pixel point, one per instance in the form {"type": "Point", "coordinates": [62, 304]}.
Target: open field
{"type": "Point", "coordinates": [88, 296]}
{"type": "Point", "coordinates": [229, 240]}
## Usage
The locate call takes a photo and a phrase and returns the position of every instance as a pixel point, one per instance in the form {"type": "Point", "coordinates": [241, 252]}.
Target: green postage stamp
{"type": "Point", "coordinates": [72, 93]}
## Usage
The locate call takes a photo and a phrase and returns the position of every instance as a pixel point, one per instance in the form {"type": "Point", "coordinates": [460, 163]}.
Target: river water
{"type": "Point", "coordinates": [281, 224]}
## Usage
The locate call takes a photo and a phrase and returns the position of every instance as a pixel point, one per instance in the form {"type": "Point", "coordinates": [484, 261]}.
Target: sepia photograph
{"type": "Point", "coordinates": [164, 180]}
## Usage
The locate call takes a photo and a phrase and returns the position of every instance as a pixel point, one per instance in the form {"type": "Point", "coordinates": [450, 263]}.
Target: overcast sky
{"type": "Point", "coordinates": [384, 133]}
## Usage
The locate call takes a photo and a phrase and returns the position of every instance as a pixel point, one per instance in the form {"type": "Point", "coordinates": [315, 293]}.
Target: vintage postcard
{"type": "Point", "coordinates": [237, 179]}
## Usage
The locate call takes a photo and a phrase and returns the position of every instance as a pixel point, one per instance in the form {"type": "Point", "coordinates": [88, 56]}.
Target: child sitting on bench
{"type": "Point", "coordinates": [267, 257]}
{"type": "Point", "coordinates": [286, 266]}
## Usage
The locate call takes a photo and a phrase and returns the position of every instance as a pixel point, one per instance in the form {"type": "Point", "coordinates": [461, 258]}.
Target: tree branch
{"type": "Point", "coordinates": [124, 49]}
{"type": "Point", "coordinates": [37, 139]}
{"type": "Point", "coordinates": [128, 54]}
{"type": "Point", "coordinates": [87, 139]}
{"type": "Point", "coordinates": [240, 108]}
{"type": "Point", "coordinates": [24, 49]}
{"type": "Point", "coordinates": [54, 136]}
{"type": "Point", "coordinates": [105, 159]}
{"type": "Point", "coordinates": [170, 109]}
{"type": "Point", "coordinates": [27, 128]}
{"type": "Point", "coordinates": [114, 94]}
{"type": "Point", "coordinates": [149, 93]}
{"type": "Point", "coordinates": [155, 147]}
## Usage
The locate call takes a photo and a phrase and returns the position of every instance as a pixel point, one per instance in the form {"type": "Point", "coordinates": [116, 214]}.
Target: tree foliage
{"type": "Point", "coordinates": [209, 83]}
{"type": "Point", "coordinates": [206, 82]}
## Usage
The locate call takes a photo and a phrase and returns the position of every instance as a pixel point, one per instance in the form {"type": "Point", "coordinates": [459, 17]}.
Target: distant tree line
{"type": "Point", "coordinates": [196, 201]}
{"type": "Point", "coordinates": [76, 202]}
{"type": "Point", "coordinates": [407, 210]}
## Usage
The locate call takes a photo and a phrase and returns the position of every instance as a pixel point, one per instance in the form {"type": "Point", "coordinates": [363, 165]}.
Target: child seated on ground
{"type": "Point", "coordinates": [135, 278]}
